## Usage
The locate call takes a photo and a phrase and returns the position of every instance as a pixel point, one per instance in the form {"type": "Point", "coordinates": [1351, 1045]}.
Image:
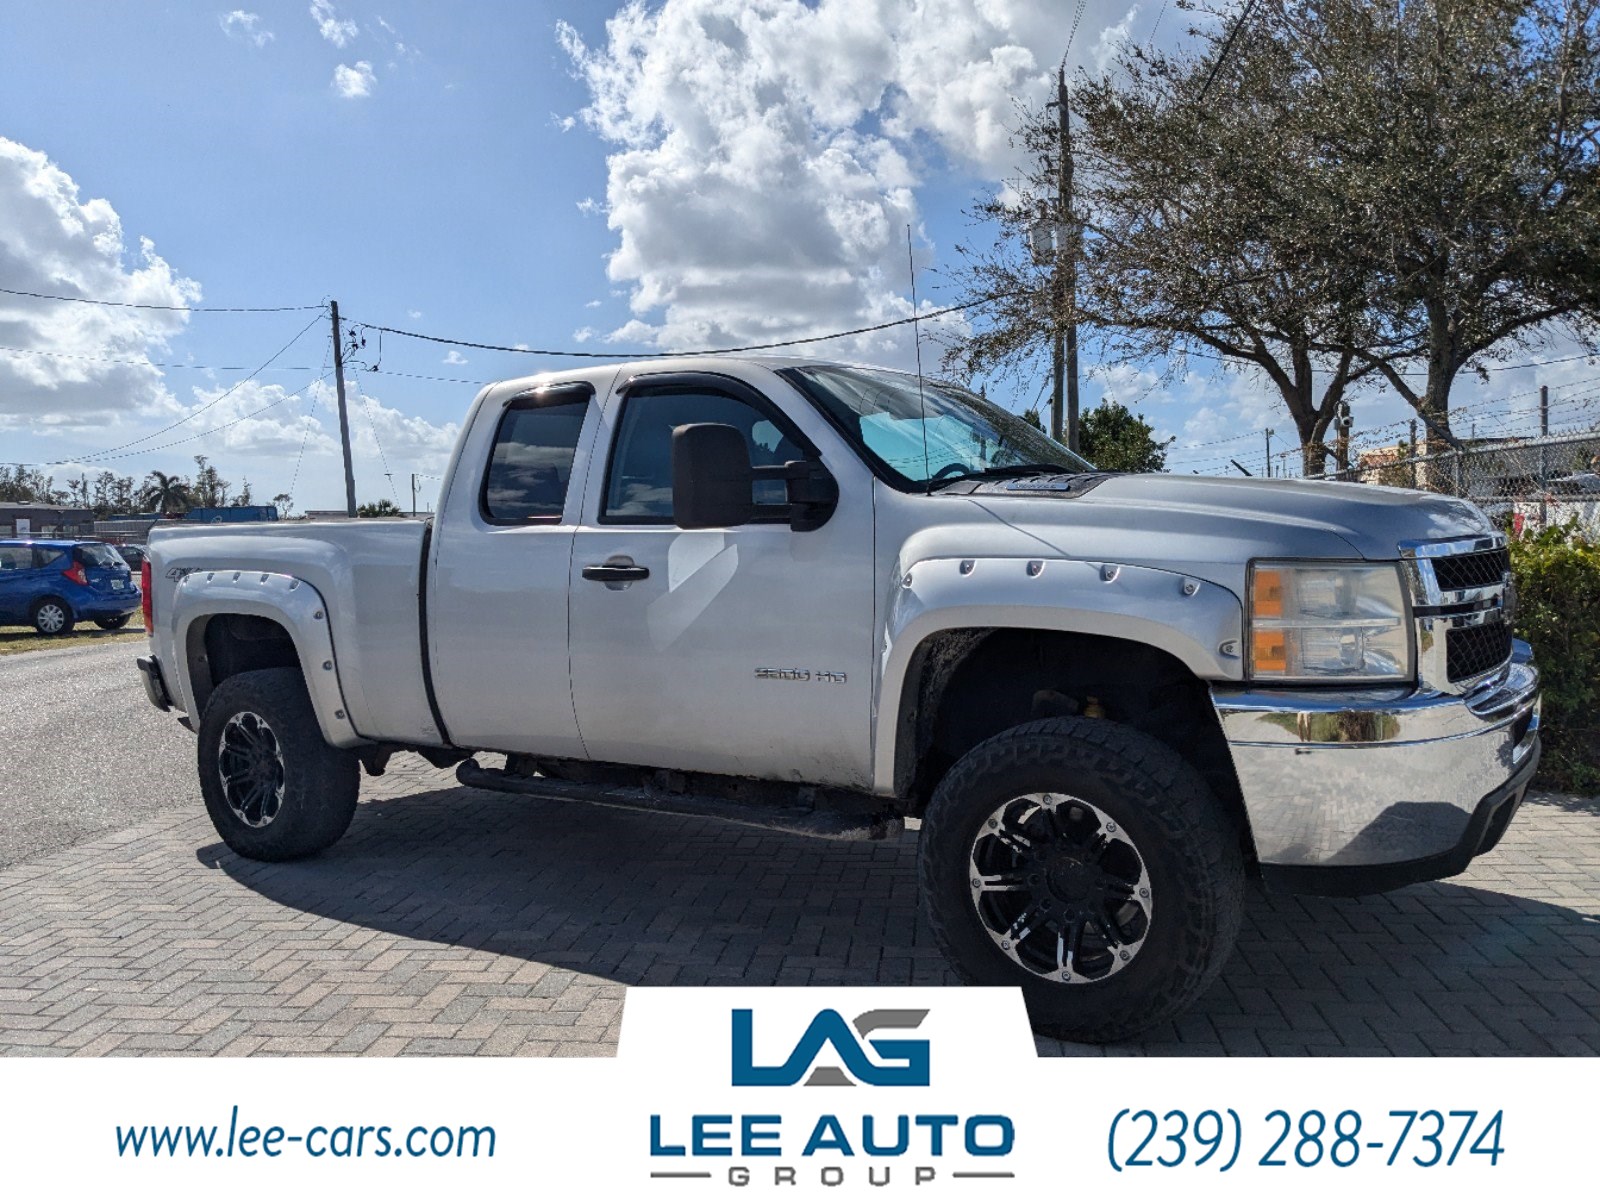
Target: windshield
{"type": "Point", "coordinates": [943, 434]}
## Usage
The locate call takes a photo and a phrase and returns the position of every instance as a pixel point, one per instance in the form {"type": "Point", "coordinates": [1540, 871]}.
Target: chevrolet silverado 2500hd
{"type": "Point", "coordinates": [823, 599]}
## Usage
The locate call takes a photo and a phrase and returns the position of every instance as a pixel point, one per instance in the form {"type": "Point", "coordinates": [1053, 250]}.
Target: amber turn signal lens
{"type": "Point", "coordinates": [1267, 594]}
{"type": "Point", "coordinates": [1269, 651]}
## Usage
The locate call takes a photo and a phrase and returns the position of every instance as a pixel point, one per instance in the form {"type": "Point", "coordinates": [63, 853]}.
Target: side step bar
{"type": "Point", "coordinates": [837, 826]}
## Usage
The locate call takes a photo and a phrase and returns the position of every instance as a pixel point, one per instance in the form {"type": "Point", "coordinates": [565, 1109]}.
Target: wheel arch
{"type": "Point", "coordinates": [229, 622]}
{"type": "Point", "coordinates": [963, 685]}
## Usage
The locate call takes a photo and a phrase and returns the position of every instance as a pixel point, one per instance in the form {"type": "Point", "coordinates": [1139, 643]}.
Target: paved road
{"type": "Point", "coordinates": [81, 752]}
{"type": "Point", "coordinates": [454, 921]}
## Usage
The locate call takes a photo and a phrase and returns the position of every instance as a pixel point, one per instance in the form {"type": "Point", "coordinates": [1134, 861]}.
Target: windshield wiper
{"type": "Point", "coordinates": [1007, 471]}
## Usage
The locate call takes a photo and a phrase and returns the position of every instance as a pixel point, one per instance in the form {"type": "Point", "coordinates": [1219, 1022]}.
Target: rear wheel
{"type": "Point", "coordinates": [112, 622]}
{"type": "Point", "coordinates": [52, 617]}
{"type": "Point", "coordinates": [1087, 864]}
{"type": "Point", "coordinates": [273, 787]}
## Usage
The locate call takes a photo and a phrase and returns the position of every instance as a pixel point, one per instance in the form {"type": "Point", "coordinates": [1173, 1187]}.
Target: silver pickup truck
{"type": "Point", "coordinates": [825, 599]}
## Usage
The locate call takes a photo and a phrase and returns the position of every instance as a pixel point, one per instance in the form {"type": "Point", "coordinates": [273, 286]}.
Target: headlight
{"type": "Point", "coordinates": [1322, 622]}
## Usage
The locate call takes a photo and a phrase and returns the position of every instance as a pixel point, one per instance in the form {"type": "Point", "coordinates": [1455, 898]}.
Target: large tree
{"type": "Point", "coordinates": [1394, 189]}
{"type": "Point", "coordinates": [1114, 438]}
{"type": "Point", "coordinates": [1195, 241]}
{"type": "Point", "coordinates": [165, 493]}
{"type": "Point", "coordinates": [1459, 138]}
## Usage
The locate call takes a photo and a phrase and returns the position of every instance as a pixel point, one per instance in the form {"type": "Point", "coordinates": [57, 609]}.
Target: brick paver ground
{"type": "Point", "coordinates": [451, 921]}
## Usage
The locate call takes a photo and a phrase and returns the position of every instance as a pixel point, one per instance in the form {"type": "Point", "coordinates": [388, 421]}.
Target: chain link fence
{"type": "Point", "coordinates": [1524, 484]}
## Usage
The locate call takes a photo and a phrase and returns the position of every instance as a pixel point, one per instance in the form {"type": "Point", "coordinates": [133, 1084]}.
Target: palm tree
{"type": "Point", "coordinates": [165, 493]}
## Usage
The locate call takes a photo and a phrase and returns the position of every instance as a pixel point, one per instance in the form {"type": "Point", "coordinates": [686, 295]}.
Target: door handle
{"type": "Point", "coordinates": [615, 572]}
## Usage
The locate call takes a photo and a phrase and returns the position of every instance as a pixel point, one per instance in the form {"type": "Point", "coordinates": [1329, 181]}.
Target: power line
{"type": "Point", "coordinates": [1222, 56]}
{"type": "Point", "coordinates": [206, 432]}
{"type": "Point", "coordinates": [805, 341]}
{"type": "Point", "coordinates": [1150, 41]}
{"type": "Point", "coordinates": [366, 407]}
{"type": "Point", "coordinates": [188, 308]}
{"type": "Point", "coordinates": [100, 454]}
{"type": "Point", "coordinates": [1073, 36]}
{"type": "Point", "coordinates": [135, 362]}
{"type": "Point", "coordinates": [310, 416]}
{"type": "Point", "coordinates": [429, 378]}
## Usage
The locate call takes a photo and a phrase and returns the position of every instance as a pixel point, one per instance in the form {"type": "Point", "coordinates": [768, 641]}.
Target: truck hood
{"type": "Point", "coordinates": [1213, 526]}
{"type": "Point", "coordinates": [1373, 520]}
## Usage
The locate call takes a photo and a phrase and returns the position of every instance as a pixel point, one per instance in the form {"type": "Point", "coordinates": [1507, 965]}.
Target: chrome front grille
{"type": "Point", "coordinates": [1475, 650]}
{"type": "Point", "coordinates": [1461, 598]}
{"type": "Point", "coordinates": [1476, 569]}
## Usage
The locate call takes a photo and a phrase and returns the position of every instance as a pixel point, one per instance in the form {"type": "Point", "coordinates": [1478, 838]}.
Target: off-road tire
{"type": "Point", "coordinates": [320, 782]}
{"type": "Point", "coordinates": [1189, 847]}
{"type": "Point", "coordinates": [113, 622]}
{"type": "Point", "coordinates": [38, 617]}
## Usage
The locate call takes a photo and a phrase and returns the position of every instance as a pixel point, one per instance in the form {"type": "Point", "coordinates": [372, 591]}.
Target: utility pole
{"type": "Point", "coordinates": [1269, 434]}
{"type": "Point", "coordinates": [413, 511]}
{"type": "Point", "coordinates": [1067, 245]}
{"type": "Point", "coordinates": [1544, 455]}
{"type": "Point", "coordinates": [1343, 421]}
{"type": "Point", "coordinates": [1413, 449]}
{"type": "Point", "coordinates": [344, 416]}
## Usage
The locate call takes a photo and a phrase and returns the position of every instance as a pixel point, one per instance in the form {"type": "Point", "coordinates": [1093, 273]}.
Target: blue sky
{"type": "Point", "coordinates": [744, 169]}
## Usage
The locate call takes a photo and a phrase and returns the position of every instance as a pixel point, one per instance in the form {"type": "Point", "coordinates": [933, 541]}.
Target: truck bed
{"type": "Point", "coordinates": [368, 573]}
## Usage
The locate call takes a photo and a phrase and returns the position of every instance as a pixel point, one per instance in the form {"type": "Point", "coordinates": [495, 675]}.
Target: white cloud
{"type": "Point", "coordinates": [245, 27]}
{"type": "Point", "coordinates": [60, 374]}
{"type": "Point", "coordinates": [413, 443]}
{"type": "Point", "coordinates": [400, 51]}
{"type": "Point", "coordinates": [767, 152]}
{"type": "Point", "coordinates": [332, 27]}
{"type": "Point", "coordinates": [354, 83]}
{"type": "Point", "coordinates": [1111, 40]}
{"type": "Point", "coordinates": [414, 314]}
{"type": "Point", "coordinates": [258, 419]}
{"type": "Point", "coordinates": [454, 359]}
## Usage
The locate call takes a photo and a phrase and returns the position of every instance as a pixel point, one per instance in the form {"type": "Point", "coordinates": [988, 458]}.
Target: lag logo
{"type": "Point", "coordinates": [894, 1061]}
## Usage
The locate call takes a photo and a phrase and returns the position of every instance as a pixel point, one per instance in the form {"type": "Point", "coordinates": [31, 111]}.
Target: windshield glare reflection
{"type": "Point", "coordinates": [938, 434]}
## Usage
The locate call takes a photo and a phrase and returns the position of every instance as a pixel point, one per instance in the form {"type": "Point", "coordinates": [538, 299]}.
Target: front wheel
{"type": "Point", "coordinates": [1087, 864]}
{"type": "Point", "coordinates": [274, 789]}
{"type": "Point", "coordinates": [116, 622]}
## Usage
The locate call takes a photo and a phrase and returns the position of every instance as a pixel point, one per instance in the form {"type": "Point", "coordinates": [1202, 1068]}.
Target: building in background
{"type": "Point", "coordinates": [32, 519]}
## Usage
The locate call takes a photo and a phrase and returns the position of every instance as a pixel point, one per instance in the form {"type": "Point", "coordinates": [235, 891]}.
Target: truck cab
{"type": "Point", "coordinates": [829, 598]}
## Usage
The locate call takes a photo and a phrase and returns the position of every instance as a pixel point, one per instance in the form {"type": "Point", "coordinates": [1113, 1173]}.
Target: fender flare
{"type": "Point", "coordinates": [287, 601]}
{"type": "Point", "coordinates": [1189, 618]}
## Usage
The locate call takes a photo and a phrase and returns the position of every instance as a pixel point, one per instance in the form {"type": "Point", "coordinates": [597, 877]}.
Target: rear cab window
{"type": "Point", "coordinates": [530, 461]}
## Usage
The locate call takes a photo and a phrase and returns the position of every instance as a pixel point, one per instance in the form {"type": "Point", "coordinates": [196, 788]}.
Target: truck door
{"type": "Point", "coordinates": [744, 651]}
{"type": "Point", "coordinates": [497, 586]}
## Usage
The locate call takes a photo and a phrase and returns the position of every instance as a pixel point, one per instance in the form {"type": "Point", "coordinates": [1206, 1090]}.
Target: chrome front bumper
{"type": "Point", "coordinates": [1362, 790]}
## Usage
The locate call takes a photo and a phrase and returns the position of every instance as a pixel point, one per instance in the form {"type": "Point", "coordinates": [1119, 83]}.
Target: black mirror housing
{"type": "Point", "coordinates": [712, 479]}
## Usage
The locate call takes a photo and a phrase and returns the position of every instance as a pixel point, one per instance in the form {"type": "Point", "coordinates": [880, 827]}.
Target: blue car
{"type": "Point", "coordinates": [53, 584]}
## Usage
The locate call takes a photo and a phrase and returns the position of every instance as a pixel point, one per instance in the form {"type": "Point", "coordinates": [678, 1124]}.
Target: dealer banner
{"type": "Point", "coordinates": [789, 1092]}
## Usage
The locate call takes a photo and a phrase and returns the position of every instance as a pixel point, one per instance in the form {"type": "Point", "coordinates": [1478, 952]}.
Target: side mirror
{"type": "Point", "coordinates": [712, 479]}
